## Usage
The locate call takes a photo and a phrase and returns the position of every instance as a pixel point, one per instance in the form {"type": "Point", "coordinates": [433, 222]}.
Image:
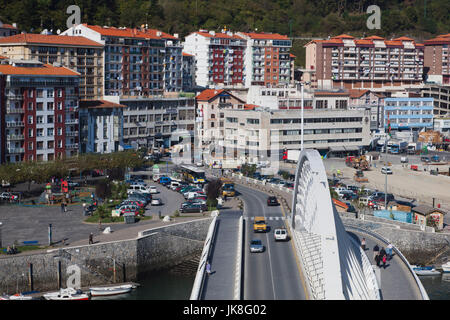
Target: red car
{"type": "Point", "coordinates": [133, 202]}
{"type": "Point", "coordinates": [124, 211]}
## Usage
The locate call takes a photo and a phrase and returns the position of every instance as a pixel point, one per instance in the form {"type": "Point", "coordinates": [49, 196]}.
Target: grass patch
{"type": "Point", "coordinates": [23, 249]}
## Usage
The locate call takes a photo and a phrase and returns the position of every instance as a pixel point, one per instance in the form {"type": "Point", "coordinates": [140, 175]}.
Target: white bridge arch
{"type": "Point", "coordinates": [334, 264]}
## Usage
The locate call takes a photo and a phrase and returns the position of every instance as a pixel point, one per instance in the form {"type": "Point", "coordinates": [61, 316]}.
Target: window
{"type": "Point", "coordinates": [252, 121]}
{"type": "Point", "coordinates": [30, 106]}
{"type": "Point", "coordinates": [50, 132]}
{"type": "Point", "coordinates": [39, 132]}
{"type": "Point", "coordinates": [30, 119]}
{"type": "Point", "coordinates": [30, 133]}
{"type": "Point", "coordinates": [59, 105]}
{"type": "Point", "coordinates": [59, 131]}
{"type": "Point", "coordinates": [49, 119]}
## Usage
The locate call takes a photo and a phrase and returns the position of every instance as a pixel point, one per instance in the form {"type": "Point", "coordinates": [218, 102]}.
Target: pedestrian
{"type": "Point", "coordinates": [376, 249]}
{"type": "Point", "coordinates": [208, 268]}
{"type": "Point", "coordinates": [389, 249]}
{"type": "Point", "coordinates": [363, 244]}
{"type": "Point", "coordinates": [377, 259]}
{"type": "Point", "coordinates": [62, 207]}
{"type": "Point", "coordinates": [384, 259]}
{"type": "Point", "coordinates": [382, 253]}
{"type": "Point", "coordinates": [91, 238]}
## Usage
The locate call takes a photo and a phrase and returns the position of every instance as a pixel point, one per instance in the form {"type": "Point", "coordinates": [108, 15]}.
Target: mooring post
{"type": "Point", "coordinates": [30, 276]}
{"type": "Point", "coordinates": [59, 274]}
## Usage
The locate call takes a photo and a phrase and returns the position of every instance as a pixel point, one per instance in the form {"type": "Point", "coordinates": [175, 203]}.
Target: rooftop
{"type": "Point", "coordinates": [130, 32]}
{"type": "Point", "coordinates": [99, 104]}
{"type": "Point", "coordinates": [37, 70]}
{"type": "Point", "coordinates": [426, 210]}
{"type": "Point", "coordinates": [28, 38]}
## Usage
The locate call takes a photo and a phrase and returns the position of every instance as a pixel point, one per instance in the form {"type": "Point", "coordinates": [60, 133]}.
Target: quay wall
{"type": "Point", "coordinates": [103, 263]}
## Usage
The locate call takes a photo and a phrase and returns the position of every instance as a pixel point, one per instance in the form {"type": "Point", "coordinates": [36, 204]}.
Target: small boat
{"type": "Point", "coordinates": [446, 267]}
{"type": "Point", "coordinates": [67, 294]}
{"type": "Point", "coordinates": [425, 271]}
{"type": "Point", "coordinates": [109, 291]}
{"type": "Point", "coordinates": [19, 296]}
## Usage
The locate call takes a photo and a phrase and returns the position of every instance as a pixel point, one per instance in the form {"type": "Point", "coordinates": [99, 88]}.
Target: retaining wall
{"type": "Point", "coordinates": [154, 249]}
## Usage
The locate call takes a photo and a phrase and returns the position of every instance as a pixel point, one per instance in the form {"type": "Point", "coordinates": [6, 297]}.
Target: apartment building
{"type": "Point", "coordinates": [151, 122]}
{"type": "Point", "coordinates": [373, 101]}
{"type": "Point", "coordinates": [267, 59]}
{"type": "Point", "coordinates": [259, 134]}
{"type": "Point", "coordinates": [437, 59]}
{"type": "Point", "coordinates": [76, 53]}
{"type": "Point", "coordinates": [137, 62]}
{"type": "Point", "coordinates": [219, 58]}
{"type": "Point", "coordinates": [210, 107]}
{"type": "Point", "coordinates": [7, 30]}
{"type": "Point", "coordinates": [39, 111]}
{"type": "Point", "coordinates": [441, 98]}
{"type": "Point", "coordinates": [188, 72]}
{"type": "Point", "coordinates": [101, 126]}
{"type": "Point", "coordinates": [371, 63]}
{"type": "Point", "coordinates": [408, 113]}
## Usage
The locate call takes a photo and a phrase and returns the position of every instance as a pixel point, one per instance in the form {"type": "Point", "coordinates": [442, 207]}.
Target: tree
{"type": "Point", "coordinates": [103, 189]}
{"type": "Point", "coordinates": [213, 191]}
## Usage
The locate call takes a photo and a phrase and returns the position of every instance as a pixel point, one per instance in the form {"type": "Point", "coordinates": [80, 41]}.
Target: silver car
{"type": "Point", "coordinates": [256, 246]}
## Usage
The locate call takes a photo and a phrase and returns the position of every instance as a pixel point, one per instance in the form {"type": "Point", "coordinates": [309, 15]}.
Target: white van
{"type": "Point", "coordinates": [364, 201]}
{"type": "Point", "coordinates": [138, 188]}
{"type": "Point", "coordinates": [174, 184]}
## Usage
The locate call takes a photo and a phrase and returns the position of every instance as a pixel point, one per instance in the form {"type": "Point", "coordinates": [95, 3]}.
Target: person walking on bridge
{"type": "Point", "coordinates": [389, 249]}
{"type": "Point", "coordinates": [376, 250]}
{"type": "Point", "coordinates": [363, 244]}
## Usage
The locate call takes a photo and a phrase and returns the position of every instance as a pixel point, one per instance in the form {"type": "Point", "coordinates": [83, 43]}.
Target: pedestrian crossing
{"type": "Point", "coordinates": [270, 218]}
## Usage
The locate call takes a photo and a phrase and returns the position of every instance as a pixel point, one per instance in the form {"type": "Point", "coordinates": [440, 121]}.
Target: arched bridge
{"type": "Point", "coordinates": [323, 259]}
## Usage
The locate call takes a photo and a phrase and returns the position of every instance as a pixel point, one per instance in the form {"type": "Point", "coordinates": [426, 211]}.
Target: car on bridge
{"type": "Point", "coordinates": [386, 170]}
{"type": "Point", "coordinates": [272, 201]}
{"type": "Point", "coordinates": [259, 224]}
{"type": "Point", "coordinates": [280, 234]}
{"type": "Point", "coordinates": [256, 246]}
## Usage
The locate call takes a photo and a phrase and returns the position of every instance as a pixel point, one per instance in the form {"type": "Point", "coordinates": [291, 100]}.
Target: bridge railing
{"type": "Point", "coordinates": [238, 270]}
{"type": "Point", "coordinates": [422, 290]}
{"type": "Point", "coordinates": [200, 276]}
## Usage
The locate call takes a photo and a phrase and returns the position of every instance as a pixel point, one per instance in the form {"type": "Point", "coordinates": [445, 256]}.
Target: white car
{"type": "Point", "coordinates": [156, 202]}
{"type": "Point", "coordinates": [386, 170]}
{"type": "Point", "coordinates": [153, 189]}
{"type": "Point", "coordinates": [280, 234]}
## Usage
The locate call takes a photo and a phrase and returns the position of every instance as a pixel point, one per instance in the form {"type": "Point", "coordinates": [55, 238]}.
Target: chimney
{"type": "Point", "coordinates": [176, 35]}
{"type": "Point", "coordinates": [213, 33]}
{"type": "Point", "coordinates": [158, 33]}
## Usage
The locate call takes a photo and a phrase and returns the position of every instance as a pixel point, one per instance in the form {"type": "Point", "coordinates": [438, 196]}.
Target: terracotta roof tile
{"type": "Point", "coordinates": [267, 36]}
{"type": "Point", "coordinates": [26, 38]}
{"type": "Point", "coordinates": [130, 32]}
{"type": "Point", "coordinates": [187, 54]}
{"type": "Point", "coordinates": [8, 26]}
{"type": "Point", "coordinates": [340, 204]}
{"type": "Point", "coordinates": [208, 94]}
{"type": "Point", "coordinates": [331, 93]}
{"type": "Point", "coordinates": [404, 39]}
{"type": "Point", "coordinates": [373, 38]}
{"type": "Point", "coordinates": [44, 70]}
{"type": "Point", "coordinates": [218, 35]}
{"type": "Point", "coordinates": [250, 106]}
{"type": "Point", "coordinates": [98, 104]}
{"type": "Point", "coordinates": [356, 93]}
{"type": "Point", "coordinates": [343, 36]}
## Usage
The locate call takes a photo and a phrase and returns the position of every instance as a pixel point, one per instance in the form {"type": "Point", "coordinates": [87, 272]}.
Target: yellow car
{"type": "Point", "coordinates": [259, 224]}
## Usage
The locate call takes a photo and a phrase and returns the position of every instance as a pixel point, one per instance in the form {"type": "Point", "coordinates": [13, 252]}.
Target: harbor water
{"type": "Point", "coordinates": [437, 287]}
{"type": "Point", "coordinates": [159, 285]}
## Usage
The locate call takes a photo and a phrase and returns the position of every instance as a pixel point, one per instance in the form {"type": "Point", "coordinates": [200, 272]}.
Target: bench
{"type": "Point", "coordinates": [31, 243]}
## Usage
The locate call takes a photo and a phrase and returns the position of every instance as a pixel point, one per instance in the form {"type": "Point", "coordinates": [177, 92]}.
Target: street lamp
{"type": "Point", "coordinates": [1, 234]}
{"type": "Point", "coordinates": [303, 107]}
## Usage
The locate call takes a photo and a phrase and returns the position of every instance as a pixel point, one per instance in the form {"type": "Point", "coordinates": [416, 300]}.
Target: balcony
{"type": "Point", "coordinates": [15, 96]}
{"type": "Point", "coordinates": [71, 121]}
{"type": "Point", "coordinates": [15, 110]}
{"type": "Point", "coordinates": [15, 124]}
{"type": "Point", "coordinates": [72, 146]}
{"type": "Point", "coordinates": [71, 133]}
{"type": "Point", "coordinates": [15, 137]}
{"type": "Point", "coordinates": [16, 150]}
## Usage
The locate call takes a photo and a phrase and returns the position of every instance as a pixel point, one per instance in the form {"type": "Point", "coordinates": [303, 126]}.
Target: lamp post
{"type": "Point", "coordinates": [1, 234]}
{"type": "Point", "coordinates": [302, 84]}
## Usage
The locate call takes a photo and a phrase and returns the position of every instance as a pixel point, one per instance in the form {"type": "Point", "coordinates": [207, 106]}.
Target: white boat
{"type": "Point", "coordinates": [112, 290]}
{"type": "Point", "coordinates": [425, 271]}
{"type": "Point", "coordinates": [19, 296]}
{"type": "Point", "coordinates": [446, 267]}
{"type": "Point", "coordinates": [67, 294]}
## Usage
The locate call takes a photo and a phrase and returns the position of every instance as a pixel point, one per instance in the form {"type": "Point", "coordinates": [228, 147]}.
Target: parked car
{"type": "Point", "coordinates": [146, 197]}
{"type": "Point", "coordinates": [280, 234]}
{"type": "Point", "coordinates": [351, 208]}
{"type": "Point", "coordinates": [194, 207]}
{"type": "Point", "coordinates": [348, 195]}
{"type": "Point", "coordinates": [72, 184]}
{"type": "Point", "coordinates": [194, 194]}
{"type": "Point", "coordinates": [386, 170]}
{"type": "Point", "coordinates": [139, 203]}
{"type": "Point", "coordinates": [156, 202]}
{"type": "Point", "coordinates": [425, 159]}
{"type": "Point", "coordinates": [152, 189]}
{"type": "Point", "coordinates": [138, 188]}
{"type": "Point", "coordinates": [256, 246]}
{"type": "Point", "coordinates": [164, 180]}
{"type": "Point", "coordinates": [7, 196]}
{"type": "Point", "coordinates": [272, 201]}
{"type": "Point", "coordinates": [129, 210]}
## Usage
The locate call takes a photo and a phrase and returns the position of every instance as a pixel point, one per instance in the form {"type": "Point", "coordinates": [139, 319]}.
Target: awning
{"type": "Point", "coordinates": [344, 148]}
{"type": "Point", "coordinates": [127, 147]}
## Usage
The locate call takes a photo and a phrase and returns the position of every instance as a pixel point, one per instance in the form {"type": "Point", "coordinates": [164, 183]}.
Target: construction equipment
{"type": "Point", "coordinates": [359, 176]}
{"type": "Point", "coordinates": [359, 163]}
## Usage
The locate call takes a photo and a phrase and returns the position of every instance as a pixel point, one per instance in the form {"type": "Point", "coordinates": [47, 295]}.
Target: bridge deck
{"type": "Point", "coordinates": [219, 285]}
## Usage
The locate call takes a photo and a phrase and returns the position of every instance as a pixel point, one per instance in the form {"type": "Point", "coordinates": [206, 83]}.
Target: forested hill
{"type": "Point", "coordinates": [419, 19]}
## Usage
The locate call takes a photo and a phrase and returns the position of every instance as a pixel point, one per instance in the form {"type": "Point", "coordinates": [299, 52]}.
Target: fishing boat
{"type": "Point", "coordinates": [109, 291]}
{"type": "Point", "coordinates": [425, 271]}
{"type": "Point", "coordinates": [67, 294]}
{"type": "Point", "coordinates": [446, 267]}
{"type": "Point", "coordinates": [19, 296]}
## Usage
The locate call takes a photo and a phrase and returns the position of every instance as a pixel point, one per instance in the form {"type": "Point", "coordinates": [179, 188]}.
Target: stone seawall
{"type": "Point", "coordinates": [154, 249]}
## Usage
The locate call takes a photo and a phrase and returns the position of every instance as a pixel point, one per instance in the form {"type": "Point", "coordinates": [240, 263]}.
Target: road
{"type": "Point", "coordinates": [273, 274]}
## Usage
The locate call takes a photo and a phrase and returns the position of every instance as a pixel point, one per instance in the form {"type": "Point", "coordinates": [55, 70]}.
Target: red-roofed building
{"type": "Point", "coordinates": [210, 105]}
{"type": "Point", "coordinates": [267, 60]}
{"type": "Point", "coordinates": [437, 59]}
{"type": "Point", "coordinates": [138, 62]}
{"type": "Point", "coordinates": [369, 63]}
{"type": "Point", "coordinates": [219, 58]}
{"type": "Point", "coordinates": [101, 126]}
{"type": "Point", "coordinates": [77, 53]}
{"type": "Point", "coordinates": [7, 30]}
{"type": "Point", "coordinates": [39, 111]}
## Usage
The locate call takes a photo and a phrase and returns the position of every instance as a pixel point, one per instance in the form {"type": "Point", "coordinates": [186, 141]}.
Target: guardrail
{"type": "Point", "coordinates": [200, 276]}
{"type": "Point", "coordinates": [422, 290]}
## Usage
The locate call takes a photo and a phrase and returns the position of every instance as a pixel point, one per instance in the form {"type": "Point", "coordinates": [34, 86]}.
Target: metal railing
{"type": "Point", "coordinates": [200, 276]}
{"type": "Point", "coordinates": [238, 270]}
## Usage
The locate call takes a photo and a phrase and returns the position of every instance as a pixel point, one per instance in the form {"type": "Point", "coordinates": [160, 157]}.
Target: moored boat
{"type": "Point", "coordinates": [425, 271]}
{"type": "Point", "coordinates": [67, 294]}
{"type": "Point", "coordinates": [112, 290]}
{"type": "Point", "coordinates": [446, 267]}
{"type": "Point", "coordinates": [19, 296]}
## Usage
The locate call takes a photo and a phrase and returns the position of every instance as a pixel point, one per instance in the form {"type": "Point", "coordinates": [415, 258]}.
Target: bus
{"type": "Point", "coordinates": [193, 174]}
{"type": "Point", "coordinates": [228, 187]}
